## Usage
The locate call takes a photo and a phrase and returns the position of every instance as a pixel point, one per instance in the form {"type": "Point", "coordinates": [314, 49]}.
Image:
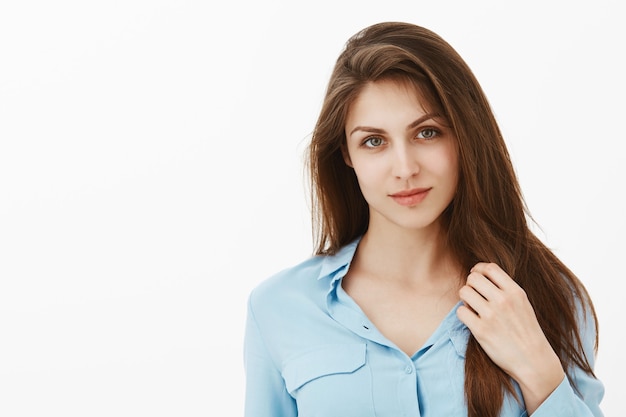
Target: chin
{"type": "Point", "coordinates": [417, 224]}
{"type": "Point", "coordinates": [414, 219]}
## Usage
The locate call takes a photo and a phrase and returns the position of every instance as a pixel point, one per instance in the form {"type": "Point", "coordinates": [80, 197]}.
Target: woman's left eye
{"type": "Point", "coordinates": [428, 133]}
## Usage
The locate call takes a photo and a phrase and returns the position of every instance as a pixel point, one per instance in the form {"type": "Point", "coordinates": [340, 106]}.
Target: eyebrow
{"type": "Point", "coordinates": [413, 124]}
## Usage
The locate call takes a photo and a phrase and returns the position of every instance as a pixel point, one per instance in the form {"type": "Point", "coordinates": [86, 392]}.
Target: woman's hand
{"type": "Point", "coordinates": [499, 315]}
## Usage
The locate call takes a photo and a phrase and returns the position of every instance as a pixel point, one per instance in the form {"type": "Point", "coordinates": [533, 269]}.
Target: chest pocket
{"type": "Point", "coordinates": [330, 380]}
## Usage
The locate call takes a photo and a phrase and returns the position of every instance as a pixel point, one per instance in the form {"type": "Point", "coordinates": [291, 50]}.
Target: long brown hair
{"type": "Point", "coordinates": [487, 219]}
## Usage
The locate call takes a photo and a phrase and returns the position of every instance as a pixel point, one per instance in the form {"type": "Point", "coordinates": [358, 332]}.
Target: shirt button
{"type": "Point", "coordinates": [408, 369]}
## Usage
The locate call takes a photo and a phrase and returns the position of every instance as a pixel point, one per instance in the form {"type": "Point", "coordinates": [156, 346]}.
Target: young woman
{"type": "Point", "coordinates": [428, 294]}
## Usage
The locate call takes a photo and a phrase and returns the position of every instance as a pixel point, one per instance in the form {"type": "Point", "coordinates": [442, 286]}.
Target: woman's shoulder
{"type": "Point", "coordinates": [290, 281]}
{"type": "Point", "coordinates": [306, 282]}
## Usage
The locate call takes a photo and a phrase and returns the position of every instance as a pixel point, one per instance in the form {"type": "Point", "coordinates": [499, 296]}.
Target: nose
{"type": "Point", "coordinates": [405, 164]}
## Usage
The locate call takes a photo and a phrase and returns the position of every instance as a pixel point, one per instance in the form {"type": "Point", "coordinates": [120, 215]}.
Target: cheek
{"type": "Point", "coordinates": [365, 177]}
{"type": "Point", "coordinates": [370, 176]}
{"type": "Point", "coordinates": [449, 163]}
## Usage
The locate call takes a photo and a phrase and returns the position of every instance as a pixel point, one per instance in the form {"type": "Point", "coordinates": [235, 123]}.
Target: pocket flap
{"type": "Point", "coordinates": [323, 360]}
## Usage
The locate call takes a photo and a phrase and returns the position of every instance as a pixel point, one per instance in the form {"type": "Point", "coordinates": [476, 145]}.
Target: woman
{"type": "Point", "coordinates": [428, 294]}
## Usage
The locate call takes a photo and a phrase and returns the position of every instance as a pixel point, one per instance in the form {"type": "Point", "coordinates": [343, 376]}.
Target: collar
{"type": "Point", "coordinates": [332, 265]}
{"type": "Point", "coordinates": [335, 267]}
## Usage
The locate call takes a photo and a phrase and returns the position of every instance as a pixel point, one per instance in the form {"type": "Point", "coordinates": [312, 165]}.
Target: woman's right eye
{"type": "Point", "coordinates": [373, 142]}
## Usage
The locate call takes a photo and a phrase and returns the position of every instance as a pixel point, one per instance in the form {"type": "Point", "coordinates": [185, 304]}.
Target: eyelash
{"type": "Point", "coordinates": [435, 133]}
{"type": "Point", "coordinates": [367, 142]}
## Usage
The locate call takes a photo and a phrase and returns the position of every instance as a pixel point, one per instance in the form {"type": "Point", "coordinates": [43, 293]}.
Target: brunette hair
{"type": "Point", "coordinates": [487, 218]}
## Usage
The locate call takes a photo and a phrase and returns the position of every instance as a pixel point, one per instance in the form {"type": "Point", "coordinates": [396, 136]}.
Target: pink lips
{"type": "Point", "coordinates": [410, 197]}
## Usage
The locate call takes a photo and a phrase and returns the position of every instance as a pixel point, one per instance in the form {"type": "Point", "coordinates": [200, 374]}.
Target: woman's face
{"type": "Point", "coordinates": [403, 154]}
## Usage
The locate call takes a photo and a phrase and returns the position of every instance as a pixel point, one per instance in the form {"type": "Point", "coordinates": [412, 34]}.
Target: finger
{"type": "Point", "coordinates": [473, 299]}
{"type": "Point", "coordinates": [468, 317]}
{"type": "Point", "coordinates": [495, 274]}
{"type": "Point", "coordinates": [483, 286]}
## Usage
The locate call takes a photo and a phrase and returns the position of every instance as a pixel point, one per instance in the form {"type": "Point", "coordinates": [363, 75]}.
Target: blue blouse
{"type": "Point", "coordinates": [310, 351]}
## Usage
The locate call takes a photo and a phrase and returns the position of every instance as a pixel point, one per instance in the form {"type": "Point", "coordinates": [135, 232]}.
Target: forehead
{"type": "Point", "coordinates": [388, 99]}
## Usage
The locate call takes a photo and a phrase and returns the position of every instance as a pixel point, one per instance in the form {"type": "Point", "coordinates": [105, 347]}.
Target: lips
{"type": "Point", "coordinates": [410, 197]}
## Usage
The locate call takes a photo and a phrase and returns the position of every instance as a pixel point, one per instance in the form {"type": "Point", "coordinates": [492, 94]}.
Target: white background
{"type": "Point", "coordinates": [151, 175]}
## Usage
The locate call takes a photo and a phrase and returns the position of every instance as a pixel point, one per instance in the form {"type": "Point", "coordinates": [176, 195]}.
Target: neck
{"type": "Point", "coordinates": [413, 257]}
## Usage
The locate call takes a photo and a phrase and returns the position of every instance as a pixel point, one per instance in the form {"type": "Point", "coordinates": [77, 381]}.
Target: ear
{"type": "Point", "coordinates": [346, 156]}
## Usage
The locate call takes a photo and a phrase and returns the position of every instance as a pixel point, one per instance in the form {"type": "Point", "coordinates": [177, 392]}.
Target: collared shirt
{"type": "Point", "coordinates": [310, 351]}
